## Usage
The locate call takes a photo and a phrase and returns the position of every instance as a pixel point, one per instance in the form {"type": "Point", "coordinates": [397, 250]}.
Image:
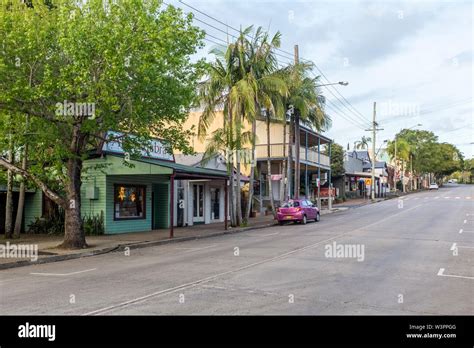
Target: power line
{"type": "Point", "coordinates": [287, 55]}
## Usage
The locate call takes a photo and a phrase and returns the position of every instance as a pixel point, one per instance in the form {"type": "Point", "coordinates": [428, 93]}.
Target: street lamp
{"type": "Point", "coordinates": [342, 83]}
{"type": "Point", "coordinates": [396, 166]}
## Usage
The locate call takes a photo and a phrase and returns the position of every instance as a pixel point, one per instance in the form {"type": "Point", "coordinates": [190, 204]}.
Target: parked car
{"type": "Point", "coordinates": [298, 210]}
{"type": "Point", "coordinates": [433, 186]}
{"type": "Point", "coordinates": [450, 181]}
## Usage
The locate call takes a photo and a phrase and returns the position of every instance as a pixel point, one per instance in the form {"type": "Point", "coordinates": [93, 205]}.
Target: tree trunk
{"type": "Point", "coordinates": [9, 198]}
{"type": "Point", "coordinates": [239, 192]}
{"type": "Point", "coordinates": [230, 158]}
{"type": "Point", "coordinates": [21, 198]}
{"type": "Point", "coordinates": [283, 171]}
{"type": "Point", "coordinates": [269, 168]}
{"type": "Point", "coordinates": [297, 155]}
{"type": "Point", "coordinates": [74, 237]}
{"type": "Point", "coordinates": [290, 156]}
{"type": "Point", "coordinates": [252, 172]}
{"type": "Point", "coordinates": [403, 177]}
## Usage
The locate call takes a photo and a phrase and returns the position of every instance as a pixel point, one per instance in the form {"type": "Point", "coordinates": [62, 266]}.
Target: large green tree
{"type": "Point", "coordinates": [129, 61]}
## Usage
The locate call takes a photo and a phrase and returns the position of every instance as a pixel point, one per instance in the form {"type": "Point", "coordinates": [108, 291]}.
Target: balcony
{"type": "Point", "coordinates": [276, 152]}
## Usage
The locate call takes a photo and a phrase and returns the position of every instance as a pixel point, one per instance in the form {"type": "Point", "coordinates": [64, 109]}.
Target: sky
{"type": "Point", "coordinates": [413, 58]}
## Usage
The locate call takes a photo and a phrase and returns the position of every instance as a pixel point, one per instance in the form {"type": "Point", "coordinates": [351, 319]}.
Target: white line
{"type": "Point", "coordinates": [270, 234]}
{"type": "Point", "coordinates": [63, 274]}
{"type": "Point", "coordinates": [458, 197]}
{"type": "Point", "coordinates": [441, 274]}
{"type": "Point", "coordinates": [436, 197]}
{"type": "Point", "coordinates": [196, 249]}
{"type": "Point", "coordinates": [210, 278]}
{"type": "Point", "coordinates": [460, 231]}
{"type": "Point", "coordinates": [468, 197]}
{"type": "Point", "coordinates": [464, 247]}
{"type": "Point", "coordinates": [465, 221]}
{"type": "Point", "coordinates": [453, 246]}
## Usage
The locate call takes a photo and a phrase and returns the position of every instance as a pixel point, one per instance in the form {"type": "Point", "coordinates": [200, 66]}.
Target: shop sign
{"type": "Point", "coordinates": [156, 149]}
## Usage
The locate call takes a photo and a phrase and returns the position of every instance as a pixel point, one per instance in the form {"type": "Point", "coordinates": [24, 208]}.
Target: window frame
{"type": "Point", "coordinates": [116, 201]}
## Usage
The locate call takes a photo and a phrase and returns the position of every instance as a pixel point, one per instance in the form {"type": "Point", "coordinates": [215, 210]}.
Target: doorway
{"type": "Point", "coordinates": [198, 203]}
{"type": "Point", "coordinates": [215, 203]}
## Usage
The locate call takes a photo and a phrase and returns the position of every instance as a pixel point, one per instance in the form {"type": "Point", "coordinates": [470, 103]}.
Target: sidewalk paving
{"type": "Point", "coordinates": [49, 252]}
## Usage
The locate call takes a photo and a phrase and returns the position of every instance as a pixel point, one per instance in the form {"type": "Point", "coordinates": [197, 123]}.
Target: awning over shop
{"type": "Point", "coordinates": [184, 172]}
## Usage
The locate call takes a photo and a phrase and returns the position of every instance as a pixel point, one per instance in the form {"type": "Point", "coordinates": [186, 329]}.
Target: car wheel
{"type": "Point", "coordinates": [318, 217]}
{"type": "Point", "coordinates": [304, 220]}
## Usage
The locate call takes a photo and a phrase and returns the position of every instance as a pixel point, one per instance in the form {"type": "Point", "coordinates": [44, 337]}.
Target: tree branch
{"type": "Point", "coordinates": [51, 194]}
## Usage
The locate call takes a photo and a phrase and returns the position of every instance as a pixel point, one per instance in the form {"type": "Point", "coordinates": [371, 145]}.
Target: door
{"type": "Point", "coordinates": [215, 204]}
{"type": "Point", "coordinates": [311, 210]}
{"type": "Point", "coordinates": [198, 203]}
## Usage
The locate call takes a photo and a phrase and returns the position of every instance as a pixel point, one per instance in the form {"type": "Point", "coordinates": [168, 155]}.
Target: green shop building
{"type": "Point", "coordinates": [132, 198]}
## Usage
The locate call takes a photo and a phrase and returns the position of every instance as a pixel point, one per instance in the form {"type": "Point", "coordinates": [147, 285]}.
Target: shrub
{"type": "Point", "coordinates": [54, 224]}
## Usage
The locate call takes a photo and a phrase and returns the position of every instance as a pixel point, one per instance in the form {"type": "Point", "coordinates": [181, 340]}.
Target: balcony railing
{"type": "Point", "coordinates": [276, 151]}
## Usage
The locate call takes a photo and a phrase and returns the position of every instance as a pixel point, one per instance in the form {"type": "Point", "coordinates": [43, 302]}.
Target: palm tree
{"type": "Point", "coordinates": [363, 143]}
{"type": "Point", "coordinates": [231, 87]}
{"type": "Point", "coordinates": [270, 88]}
{"type": "Point", "coordinates": [307, 104]}
{"type": "Point", "coordinates": [399, 150]}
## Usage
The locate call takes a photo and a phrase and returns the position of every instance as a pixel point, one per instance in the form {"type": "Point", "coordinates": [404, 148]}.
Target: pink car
{"type": "Point", "coordinates": [298, 210]}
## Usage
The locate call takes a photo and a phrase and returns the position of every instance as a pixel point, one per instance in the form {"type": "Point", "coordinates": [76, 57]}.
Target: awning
{"type": "Point", "coordinates": [184, 172]}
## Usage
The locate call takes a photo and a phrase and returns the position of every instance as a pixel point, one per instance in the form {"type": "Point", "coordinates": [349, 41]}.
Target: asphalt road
{"type": "Point", "coordinates": [407, 267]}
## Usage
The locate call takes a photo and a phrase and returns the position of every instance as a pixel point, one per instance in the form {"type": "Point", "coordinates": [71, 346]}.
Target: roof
{"type": "Point", "coordinates": [378, 164]}
{"type": "Point", "coordinates": [183, 170]}
{"type": "Point", "coordinates": [3, 188]}
{"type": "Point", "coordinates": [189, 160]}
{"type": "Point", "coordinates": [364, 155]}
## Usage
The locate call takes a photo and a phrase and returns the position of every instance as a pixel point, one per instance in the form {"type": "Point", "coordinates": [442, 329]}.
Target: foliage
{"type": "Point", "coordinates": [337, 160]}
{"type": "Point", "coordinates": [129, 61]}
{"type": "Point", "coordinates": [54, 224]}
{"type": "Point", "coordinates": [363, 143]}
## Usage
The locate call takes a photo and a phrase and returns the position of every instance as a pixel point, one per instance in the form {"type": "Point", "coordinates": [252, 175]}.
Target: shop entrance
{"type": "Point", "coordinates": [198, 203]}
{"type": "Point", "coordinates": [160, 206]}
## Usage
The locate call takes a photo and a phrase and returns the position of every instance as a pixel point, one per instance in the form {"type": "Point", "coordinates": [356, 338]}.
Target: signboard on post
{"type": "Point", "coordinates": [368, 182]}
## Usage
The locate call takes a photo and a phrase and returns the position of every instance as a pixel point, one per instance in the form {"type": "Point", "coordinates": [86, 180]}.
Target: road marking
{"type": "Point", "coordinates": [462, 231]}
{"type": "Point", "coordinates": [63, 274]}
{"type": "Point", "coordinates": [465, 221]}
{"type": "Point", "coordinates": [445, 197]}
{"type": "Point", "coordinates": [458, 197]}
{"type": "Point", "coordinates": [187, 250]}
{"type": "Point", "coordinates": [453, 247]}
{"type": "Point", "coordinates": [436, 197]}
{"type": "Point", "coordinates": [441, 274]}
{"type": "Point", "coordinates": [468, 197]}
{"type": "Point", "coordinates": [211, 278]}
{"type": "Point", "coordinates": [464, 247]}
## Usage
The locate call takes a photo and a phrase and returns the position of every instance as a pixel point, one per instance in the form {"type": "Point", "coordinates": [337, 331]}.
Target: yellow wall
{"type": "Point", "coordinates": [276, 131]}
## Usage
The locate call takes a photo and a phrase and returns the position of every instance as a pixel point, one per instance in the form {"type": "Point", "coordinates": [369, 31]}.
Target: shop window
{"type": "Point", "coordinates": [129, 202]}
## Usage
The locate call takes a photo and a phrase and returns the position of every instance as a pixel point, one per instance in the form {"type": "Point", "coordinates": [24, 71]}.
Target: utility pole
{"type": "Point", "coordinates": [374, 130]}
{"type": "Point", "coordinates": [396, 165]}
{"type": "Point", "coordinates": [297, 141]}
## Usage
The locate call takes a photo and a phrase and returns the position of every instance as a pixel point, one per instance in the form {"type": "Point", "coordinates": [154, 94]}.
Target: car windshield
{"type": "Point", "coordinates": [291, 204]}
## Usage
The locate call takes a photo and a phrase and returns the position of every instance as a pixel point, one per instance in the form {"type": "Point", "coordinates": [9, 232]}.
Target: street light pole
{"type": "Point", "coordinates": [342, 83]}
